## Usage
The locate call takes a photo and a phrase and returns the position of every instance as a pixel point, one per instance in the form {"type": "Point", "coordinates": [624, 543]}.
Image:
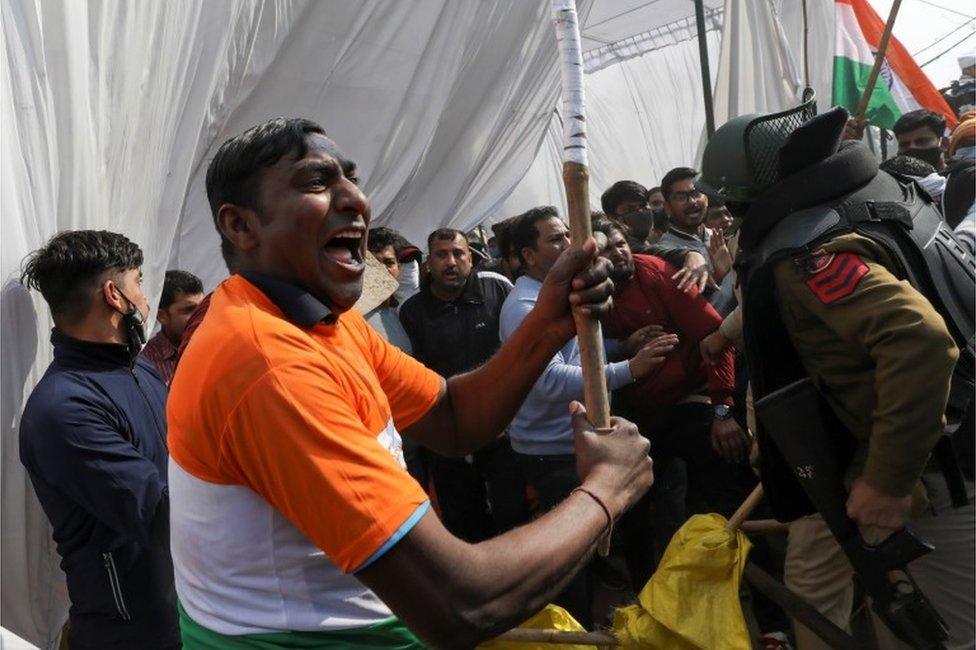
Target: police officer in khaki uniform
{"type": "Point", "coordinates": [829, 293]}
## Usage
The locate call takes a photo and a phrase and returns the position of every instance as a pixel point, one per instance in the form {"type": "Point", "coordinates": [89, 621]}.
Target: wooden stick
{"type": "Point", "coordinates": [559, 638]}
{"type": "Point", "coordinates": [879, 58]}
{"type": "Point", "coordinates": [799, 609]}
{"type": "Point", "coordinates": [576, 178]}
{"type": "Point", "coordinates": [792, 604]}
{"type": "Point", "coordinates": [740, 515]}
{"type": "Point", "coordinates": [764, 527]}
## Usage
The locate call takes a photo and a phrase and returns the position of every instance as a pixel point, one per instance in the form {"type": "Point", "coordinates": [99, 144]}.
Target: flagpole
{"type": "Point", "coordinates": [879, 58]}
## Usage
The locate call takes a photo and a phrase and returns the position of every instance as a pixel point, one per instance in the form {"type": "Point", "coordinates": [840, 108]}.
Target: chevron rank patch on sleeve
{"type": "Point", "coordinates": [832, 276]}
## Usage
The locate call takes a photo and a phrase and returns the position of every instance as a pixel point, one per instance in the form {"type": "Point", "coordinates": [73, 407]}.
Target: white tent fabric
{"type": "Point", "coordinates": [645, 115]}
{"type": "Point", "coordinates": [820, 20]}
{"type": "Point", "coordinates": [646, 112]}
{"type": "Point", "coordinates": [112, 110]}
{"type": "Point", "coordinates": [757, 72]}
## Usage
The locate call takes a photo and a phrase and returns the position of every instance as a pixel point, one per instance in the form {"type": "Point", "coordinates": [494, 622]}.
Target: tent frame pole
{"type": "Point", "coordinates": [705, 73]}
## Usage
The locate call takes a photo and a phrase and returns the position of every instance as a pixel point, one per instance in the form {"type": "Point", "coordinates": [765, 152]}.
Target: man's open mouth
{"type": "Point", "coordinates": [345, 248]}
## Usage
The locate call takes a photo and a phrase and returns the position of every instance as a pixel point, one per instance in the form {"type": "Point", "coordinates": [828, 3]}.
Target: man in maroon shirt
{"type": "Point", "coordinates": [182, 293]}
{"type": "Point", "coordinates": [684, 406]}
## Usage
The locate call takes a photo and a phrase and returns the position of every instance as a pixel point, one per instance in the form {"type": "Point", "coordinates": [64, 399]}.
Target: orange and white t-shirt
{"type": "Point", "coordinates": [286, 472]}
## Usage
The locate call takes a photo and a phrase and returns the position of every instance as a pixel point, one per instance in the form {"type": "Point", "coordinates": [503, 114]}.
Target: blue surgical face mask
{"type": "Point", "coordinates": [966, 152]}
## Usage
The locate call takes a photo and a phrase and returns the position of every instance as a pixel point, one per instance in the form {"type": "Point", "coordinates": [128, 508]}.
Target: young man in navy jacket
{"type": "Point", "coordinates": [93, 440]}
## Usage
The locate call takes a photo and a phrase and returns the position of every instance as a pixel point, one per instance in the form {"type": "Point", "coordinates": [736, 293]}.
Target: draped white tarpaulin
{"type": "Point", "coordinates": [647, 111]}
{"type": "Point", "coordinates": [112, 110]}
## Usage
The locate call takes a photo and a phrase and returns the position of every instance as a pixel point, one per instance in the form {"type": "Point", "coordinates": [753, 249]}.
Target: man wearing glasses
{"type": "Point", "coordinates": [686, 208]}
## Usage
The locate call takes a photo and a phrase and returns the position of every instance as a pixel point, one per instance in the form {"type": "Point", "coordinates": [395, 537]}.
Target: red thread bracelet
{"type": "Point", "coordinates": [600, 502]}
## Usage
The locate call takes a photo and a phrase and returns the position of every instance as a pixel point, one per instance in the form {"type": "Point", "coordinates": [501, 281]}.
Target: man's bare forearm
{"type": "Point", "coordinates": [478, 405]}
{"type": "Point", "coordinates": [461, 594]}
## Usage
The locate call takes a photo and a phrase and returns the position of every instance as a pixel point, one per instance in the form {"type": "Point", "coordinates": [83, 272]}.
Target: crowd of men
{"type": "Point", "coordinates": [241, 480]}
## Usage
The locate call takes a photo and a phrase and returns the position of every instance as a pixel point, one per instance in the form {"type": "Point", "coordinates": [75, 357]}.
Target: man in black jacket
{"type": "Point", "coordinates": [453, 328]}
{"type": "Point", "coordinates": [93, 440]}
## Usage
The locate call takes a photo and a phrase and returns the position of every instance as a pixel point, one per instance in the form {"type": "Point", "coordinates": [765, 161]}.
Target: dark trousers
{"type": "Point", "coordinates": [553, 478]}
{"type": "Point", "coordinates": [481, 496]}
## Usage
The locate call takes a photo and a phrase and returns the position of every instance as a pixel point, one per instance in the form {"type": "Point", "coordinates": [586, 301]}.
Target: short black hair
{"type": "Point", "coordinates": [71, 265]}
{"type": "Point", "coordinates": [234, 168]}
{"type": "Point", "coordinates": [503, 238]}
{"type": "Point", "coordinates": [620, 192]}
{"type": "Point", "coordinates": [673, 176]}
{"type": "Point", "coordinates": [907, 166]}
{"type": "Point", "coordinates": [381, 237]}
{"type": "Point", "coordinates": [917, 119]}
{"type": "Point", "coordinates": [444, 234]}
{"type": "Point", "coordinates": [609, 226]}
{"type": "Point", "coordinates": [654, 190]}
{"type": "Point", "coordinates": [523, 232]}
{"type": "Point", "coordinates": [178, 282]}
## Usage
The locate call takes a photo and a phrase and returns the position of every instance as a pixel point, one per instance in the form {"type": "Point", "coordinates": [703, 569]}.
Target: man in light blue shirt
{"type": "Point", "coordinates": [541, 432]}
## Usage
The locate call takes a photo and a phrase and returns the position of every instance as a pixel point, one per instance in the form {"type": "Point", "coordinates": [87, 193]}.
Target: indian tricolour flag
{"type": "Point", "coordinates": [901, 86]}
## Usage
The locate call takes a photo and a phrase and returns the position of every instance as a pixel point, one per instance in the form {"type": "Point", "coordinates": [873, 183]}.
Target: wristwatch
{"type": "Point", "coordinates": [722, 411]}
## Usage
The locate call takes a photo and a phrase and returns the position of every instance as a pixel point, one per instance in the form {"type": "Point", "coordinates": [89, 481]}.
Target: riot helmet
{"type": "Point", "coordinates": [741, 158]}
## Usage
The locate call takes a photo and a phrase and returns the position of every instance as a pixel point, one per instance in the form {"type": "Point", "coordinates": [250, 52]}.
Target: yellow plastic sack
{"type": "Point", "coordinates": [692, 600]}
{"type": "Point", "coordinates": [550, 618]}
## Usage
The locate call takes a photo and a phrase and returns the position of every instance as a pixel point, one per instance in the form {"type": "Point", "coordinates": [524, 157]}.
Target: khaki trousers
{"type": "Point", "coordinates": [818, 571]}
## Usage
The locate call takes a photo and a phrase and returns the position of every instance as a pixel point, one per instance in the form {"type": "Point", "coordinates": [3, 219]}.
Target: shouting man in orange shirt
{"type": "Point", "coordinates": [294, 522]}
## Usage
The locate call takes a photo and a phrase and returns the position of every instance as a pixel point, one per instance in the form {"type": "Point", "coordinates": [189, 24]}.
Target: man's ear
{"type": "Point", "coordinates": [162, 317]}
{"type": "Point", "coordinates": [111, 295]}
{"type": "Point", "coordinates": [527, 256]}
{"type": "Point", "coordinates": [944, 144]}
{"type": "Point", "coordinates": [239, 225]}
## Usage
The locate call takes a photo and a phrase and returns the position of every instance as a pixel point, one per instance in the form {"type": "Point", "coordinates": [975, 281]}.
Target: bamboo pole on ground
{"type": "Point", "coordinates": [792, 604]}
{"type": "Point", "coordinates": [764, 527]}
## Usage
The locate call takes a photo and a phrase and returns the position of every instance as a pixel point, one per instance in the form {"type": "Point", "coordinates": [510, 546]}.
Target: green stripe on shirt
{"type": "Point", "coordinates": [389, 633]}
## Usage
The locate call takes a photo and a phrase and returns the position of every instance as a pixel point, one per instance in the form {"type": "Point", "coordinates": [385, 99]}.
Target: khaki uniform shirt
{"type": "Point", "coordinates": [876, 349]}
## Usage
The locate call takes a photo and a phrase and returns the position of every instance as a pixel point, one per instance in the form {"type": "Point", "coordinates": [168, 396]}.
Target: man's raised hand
{"type": "Point", "coordinates": [578, 280]}
{"type": "Point", "coordinates": [693, 273]}
{"type": "Point", "coordinates": [639, 338]}
{"type": "Point", "coordinates": [652, 355]}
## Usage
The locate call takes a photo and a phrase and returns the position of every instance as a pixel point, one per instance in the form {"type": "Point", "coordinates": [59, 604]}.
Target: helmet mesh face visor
{"type": "Point", "coordinates": [766, 135]}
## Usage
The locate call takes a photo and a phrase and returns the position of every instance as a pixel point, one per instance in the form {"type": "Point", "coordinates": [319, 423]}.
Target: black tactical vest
{"type": "Point", "coordinates": [898, 216]}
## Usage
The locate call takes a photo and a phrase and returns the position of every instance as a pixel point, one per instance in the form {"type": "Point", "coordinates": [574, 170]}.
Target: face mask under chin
{"type": "Point", "coordinates": [135, 327]}
{"type": "Point", "coordinates": [135, 330]}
